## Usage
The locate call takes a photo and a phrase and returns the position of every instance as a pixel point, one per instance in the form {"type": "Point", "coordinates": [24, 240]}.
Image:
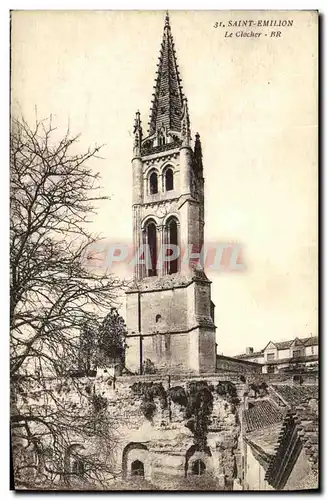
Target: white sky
{"type": "Point", "coordinates": [254, 103]}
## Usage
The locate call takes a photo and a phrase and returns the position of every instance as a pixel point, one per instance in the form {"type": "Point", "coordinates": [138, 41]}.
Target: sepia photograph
{"type": "Point", "coordinates": [164, 250]}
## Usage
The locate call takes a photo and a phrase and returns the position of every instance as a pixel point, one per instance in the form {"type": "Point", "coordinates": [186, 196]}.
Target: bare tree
{"type": "Point", "coordinates": [53, 295]}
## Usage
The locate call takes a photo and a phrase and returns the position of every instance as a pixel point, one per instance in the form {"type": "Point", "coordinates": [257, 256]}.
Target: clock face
{"type": "Point", "coordinates": [161, 211]}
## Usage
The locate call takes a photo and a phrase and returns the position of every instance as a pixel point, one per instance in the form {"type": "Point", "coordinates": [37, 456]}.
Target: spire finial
{"type": "Point", "coordinates": [167, 20]}
{"type": "Point", "coordinates": [137, 122]}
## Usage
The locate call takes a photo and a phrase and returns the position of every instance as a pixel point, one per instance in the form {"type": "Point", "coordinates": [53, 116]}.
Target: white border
{"type": "Point", "coordinates": [321, 5]}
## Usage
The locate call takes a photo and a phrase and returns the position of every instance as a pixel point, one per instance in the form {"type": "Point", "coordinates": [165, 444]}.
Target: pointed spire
{"type": "Point", "coordinates": [198, 155]}
{"type": "Point", "coordinates": [167, 98]}
{"type": "Point", "coordinates": [137, 130]}
{"type": "Point", "coordinates": [185, 124]}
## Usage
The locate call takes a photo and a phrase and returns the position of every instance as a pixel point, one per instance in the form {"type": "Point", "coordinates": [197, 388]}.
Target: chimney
{"type": "Point", "coordinates": [249, 350]}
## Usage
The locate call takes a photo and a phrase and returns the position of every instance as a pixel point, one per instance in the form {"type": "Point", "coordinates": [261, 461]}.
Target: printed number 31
{"type": "Point", "coordinates": [217, 24]}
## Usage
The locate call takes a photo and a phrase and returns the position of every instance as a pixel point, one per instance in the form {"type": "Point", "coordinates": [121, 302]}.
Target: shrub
{"type": "Point", "coordinates": [198, 410]}
{"type": "Point", "coordinates": [148, 367]}
{"type": "Point", "coordinates": [158, 391]}
{"type": "Point", "coordinates": [148, 408]}
{"type": "Point", "coordinates": [178, 395]}
{"type": "Point", "coordinates": [98, 402]}
{"type": "Point", "coordinates": [148, 391]}
{"type": "Point", "coordinates": [190, 424]}
{"type": "Point", "coordinates": [220, 389]}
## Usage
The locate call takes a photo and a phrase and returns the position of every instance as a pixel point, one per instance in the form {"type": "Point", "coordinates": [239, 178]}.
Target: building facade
{"type": "Point", "coordinates": [170, 316]}
{"type": "Point", "coordinates": [299, 354]}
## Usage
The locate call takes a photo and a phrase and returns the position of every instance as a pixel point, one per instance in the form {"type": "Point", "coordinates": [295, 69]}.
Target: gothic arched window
{"type": "Point", "coordinates": [172, 239]}
{"type": "Point", "coordinates": [151, 238]}
{"type": "Point", "coordinates": [169, 180]}
{"type": "Point", "coordinates": [153, 183]}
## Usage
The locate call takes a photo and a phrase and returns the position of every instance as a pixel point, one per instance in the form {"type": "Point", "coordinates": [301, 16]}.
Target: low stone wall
{"type": "Point", "coordinates": [239, 366]}
{"type": "Point", "coordinates": [273, 378]}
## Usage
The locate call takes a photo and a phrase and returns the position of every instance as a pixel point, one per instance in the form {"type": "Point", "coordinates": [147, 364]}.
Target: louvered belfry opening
{"type": "Point", "coordinates": [167, 99]}
{"type": "Point", "coordinates": [152, 242]}
{"type": "Point", "coordinates": [169, 180]}
{"type": "Point", "coordinates": [172, 237]}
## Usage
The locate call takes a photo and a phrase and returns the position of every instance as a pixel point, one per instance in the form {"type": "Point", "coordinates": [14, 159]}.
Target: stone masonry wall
{"type": "Point", "coordinates": [172, 339]}
{"type": "Point", "coordinates": [163, 443]}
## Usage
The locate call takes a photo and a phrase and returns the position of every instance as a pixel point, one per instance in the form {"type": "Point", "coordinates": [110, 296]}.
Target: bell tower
{"type": "Point", "coordinates": [169, 310]}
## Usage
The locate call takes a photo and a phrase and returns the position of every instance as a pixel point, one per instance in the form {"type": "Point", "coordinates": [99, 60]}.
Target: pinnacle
{"type": "Point", "coordinates": [167, 20]}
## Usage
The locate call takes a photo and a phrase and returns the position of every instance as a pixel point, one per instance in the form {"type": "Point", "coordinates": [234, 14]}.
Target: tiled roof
{"type": "Point", "coordinates": [297, 342]}
{"type": "Point", "coordinates": [265, 440]}
{"type": "Point", "coordinates": [305, 421]}
{"type": "Point", "coordinates": [283, 345]}
{"type": "Point", "coordinates": [261, 414]}
{"type": "Point", "coordinates": [294, 395]}
{"type": "Point", "coordinates": [310, 341]}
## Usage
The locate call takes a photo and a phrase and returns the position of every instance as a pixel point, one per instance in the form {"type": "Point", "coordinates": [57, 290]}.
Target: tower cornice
{"type": "Point", "coordinates": [153, 157]}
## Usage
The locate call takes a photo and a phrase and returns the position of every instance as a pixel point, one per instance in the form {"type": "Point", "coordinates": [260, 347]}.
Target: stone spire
{"type": "Point", "coordinates": [167, 102]}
